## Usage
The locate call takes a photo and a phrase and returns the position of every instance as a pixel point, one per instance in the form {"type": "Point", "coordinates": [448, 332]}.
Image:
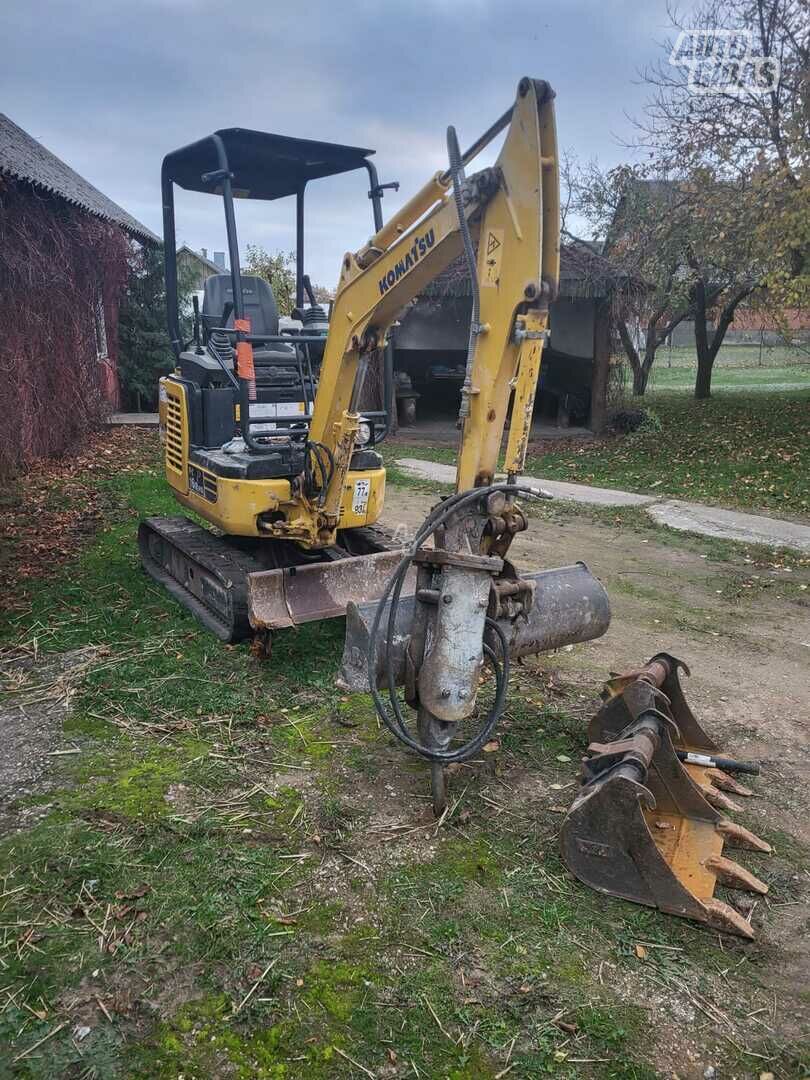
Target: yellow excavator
{"type": "Point", "coordinates": [266, 440]}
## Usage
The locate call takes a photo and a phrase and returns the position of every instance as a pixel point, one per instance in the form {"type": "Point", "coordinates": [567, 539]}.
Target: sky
{"type": "Point", "coordinates": [111, 86]}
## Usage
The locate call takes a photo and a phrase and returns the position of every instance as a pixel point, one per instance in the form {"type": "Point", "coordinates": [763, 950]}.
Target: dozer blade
{"type": "Point", "coordinates": [641, 828]}
{"type": "Point", "coordinates": [569, 606]}
{"type": "Point", "coordinates": [301, 594]}
{"type": "Point", "coordinates": [227, 587]}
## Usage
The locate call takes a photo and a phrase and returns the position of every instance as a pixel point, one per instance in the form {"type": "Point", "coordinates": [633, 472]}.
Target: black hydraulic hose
{"type": "Point", "coordinates": [396, 723]}
{"type": "Point", "coordinates": [712, 761]}
{"type": "Point", "coordinates": [457, 173]}
{"type": "Point", "coordinates": [323, 457]}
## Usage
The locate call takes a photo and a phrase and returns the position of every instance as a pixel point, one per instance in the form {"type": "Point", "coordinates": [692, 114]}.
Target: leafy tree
{"type": "Point", "coordinates": [144, 354]}
{"type": "Point", "coordinates": [637, 213]}
{"type": "Point", "coordinates": [322, 294]}
{"type": "Point", "coordinates": [724, 260]}
{"type": "Point", "coordinates": [279, 271]}
{"type": "Point", "coordinates": [729, 111]}
{"type": "Point", "coordinates": [690, 242]}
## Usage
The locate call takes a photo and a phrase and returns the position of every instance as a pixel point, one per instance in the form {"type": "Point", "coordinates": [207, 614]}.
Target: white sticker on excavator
{"type": "Point", "coordinates": [362, 488]}
{"type": "Point", "coordinates": [277, 409]}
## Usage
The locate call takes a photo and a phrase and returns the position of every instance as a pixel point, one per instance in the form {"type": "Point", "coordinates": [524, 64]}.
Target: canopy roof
{"type": "Point", "coordinates": [264, 166]}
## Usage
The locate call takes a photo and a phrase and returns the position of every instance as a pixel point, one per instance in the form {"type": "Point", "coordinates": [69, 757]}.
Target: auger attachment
{"type": "Point", "coordinates": [645, 825]}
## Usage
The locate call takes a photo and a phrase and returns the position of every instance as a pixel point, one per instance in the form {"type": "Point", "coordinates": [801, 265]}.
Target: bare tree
{"type": "Point", "coordinates": [638, 214]}
{"type": "Point", "coordinates": [731, 102]}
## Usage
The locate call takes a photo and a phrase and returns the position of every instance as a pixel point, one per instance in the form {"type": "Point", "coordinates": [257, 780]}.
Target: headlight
{"type": "Point", "coordinates": [364, 433]}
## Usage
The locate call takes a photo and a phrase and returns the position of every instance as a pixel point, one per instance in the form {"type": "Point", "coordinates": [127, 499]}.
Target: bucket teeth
{"type": "Point", "coordinates": [738, 836]}
{"type": "Point", "coordinates": [724, 917]}
{"type": "Point", "coordinates": [714, 783]}
{"type": "Point", "coordinates": [734, 876]}
{"type": "Point", "coordinates": [722, 780]}
{"type": "Point", "coordinates": [717, 799]}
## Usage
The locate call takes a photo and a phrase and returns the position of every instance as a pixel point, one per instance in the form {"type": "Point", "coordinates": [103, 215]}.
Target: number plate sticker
{"type": "Point", "coordinates": [362, 489]}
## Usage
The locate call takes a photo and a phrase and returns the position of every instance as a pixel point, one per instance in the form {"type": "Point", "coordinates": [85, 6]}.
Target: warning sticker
{"type": "Point", "coordinates": [493, 253]}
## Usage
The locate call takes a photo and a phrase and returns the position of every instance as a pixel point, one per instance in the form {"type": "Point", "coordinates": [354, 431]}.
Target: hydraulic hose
{"type": "Point", "coordinates": [394, 720]}
{"type": "Point", "coordinates": [457, 173]}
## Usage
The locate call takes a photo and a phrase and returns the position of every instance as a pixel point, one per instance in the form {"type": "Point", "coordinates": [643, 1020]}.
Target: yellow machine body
{"type": "Point", "coordinates": [235, 506]}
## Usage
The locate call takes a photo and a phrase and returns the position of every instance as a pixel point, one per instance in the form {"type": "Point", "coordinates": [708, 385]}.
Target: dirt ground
{"type": "Point", "coordinates": [37, 692]}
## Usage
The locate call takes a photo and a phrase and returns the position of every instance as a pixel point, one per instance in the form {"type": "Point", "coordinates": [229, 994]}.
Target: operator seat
{"type": "Point", "coordinates": [283, 388]}
{"type": "Point", "coordinates": [276, 363]}
{"type": "Point", "coordinates": [260, 307]}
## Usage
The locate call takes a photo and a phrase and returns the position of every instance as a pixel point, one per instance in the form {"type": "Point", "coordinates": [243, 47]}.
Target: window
{"type": "Point", "coordinates": [100, 327]}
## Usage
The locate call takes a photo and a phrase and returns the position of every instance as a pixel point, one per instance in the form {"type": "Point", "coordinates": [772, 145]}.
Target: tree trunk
{"type": "Point", "coordinates": [639, 376]}
{"type": "Point", "coordinates": [705, 359]}
{"type": "Point", "coordinates": [703, 381]}
{"type": "Point", "coordinates": [707, 350]}
{"type": "Point", "coordinates": [640, 379]}
{"type": "Point", "coordinates": [655, 336]}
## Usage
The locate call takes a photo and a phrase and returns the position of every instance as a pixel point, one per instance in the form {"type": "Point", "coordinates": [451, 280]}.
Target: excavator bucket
{"type": "Point", "coordinates": [699, 753]}
{"type": "Point", "coordinates": [643, 827]}
{"type": "Point", "coordinates": [569, 605]}
{"type": "Point", "coordinates": [228, 588]}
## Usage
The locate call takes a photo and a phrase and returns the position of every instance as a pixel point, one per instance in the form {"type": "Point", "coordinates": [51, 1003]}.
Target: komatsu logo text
{"type": "Point", "coordinates": [417, 251]}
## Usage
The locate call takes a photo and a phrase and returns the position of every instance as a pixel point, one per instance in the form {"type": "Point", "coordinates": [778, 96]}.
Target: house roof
{"type": "Point", "coordinates": [207, 263]}
{"type": "Point", "coordinates": [584, 274]}
{"type": "Point", "coordinates": [23, 158]}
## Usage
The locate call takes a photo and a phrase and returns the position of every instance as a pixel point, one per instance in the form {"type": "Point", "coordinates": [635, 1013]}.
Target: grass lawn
{"type": "Point", "coordinates": [737, 450]}
{"type": "Point", "coordinates": [730, 377]}
{"type": "Point", "coordinates": [750, 451]}
{"type": "Point", "coordinates": [203, 890]}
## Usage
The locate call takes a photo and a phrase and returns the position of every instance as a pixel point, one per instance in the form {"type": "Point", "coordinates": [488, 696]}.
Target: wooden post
{"type": "Point", "coordinates": [601, 365]}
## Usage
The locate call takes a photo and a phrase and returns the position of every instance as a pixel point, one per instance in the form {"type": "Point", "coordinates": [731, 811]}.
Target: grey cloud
{"type": "Point", "coordinates": [112, 86]}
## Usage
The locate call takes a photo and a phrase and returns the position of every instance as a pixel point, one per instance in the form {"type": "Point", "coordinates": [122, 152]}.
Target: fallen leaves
{"type": "Point", "coordinates": [57, 506]}
{"type": "Point", "coordinates": [750, 450]}
{"type": "Point", "coordinates": [134, 894]}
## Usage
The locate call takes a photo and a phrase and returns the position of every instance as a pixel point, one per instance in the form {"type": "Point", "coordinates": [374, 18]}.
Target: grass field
{"type": "Point", "coordinates": [745, 450]}
{"type": "Point", "coordinates": [773, 368]}
{"type": "Point", "coordinates": [230, 873]}
{"type": "Point", "coordinates": [740, 450]}
{"type": "Point", "coordinates": [731, 377]}
{"type": "Point", "coordinates": [737, 355]}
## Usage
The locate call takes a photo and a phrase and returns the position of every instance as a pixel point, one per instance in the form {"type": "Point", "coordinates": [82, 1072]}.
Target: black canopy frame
{"type": "Point", "coordinates": [239, 162]}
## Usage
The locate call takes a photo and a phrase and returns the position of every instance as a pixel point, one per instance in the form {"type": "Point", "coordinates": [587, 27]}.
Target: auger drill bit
{"type": "Point", "coordinates": [643, 827]}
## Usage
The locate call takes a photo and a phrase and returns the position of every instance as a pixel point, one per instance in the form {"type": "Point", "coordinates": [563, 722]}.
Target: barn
{"type": "Point", "coordinates": [64, 254]}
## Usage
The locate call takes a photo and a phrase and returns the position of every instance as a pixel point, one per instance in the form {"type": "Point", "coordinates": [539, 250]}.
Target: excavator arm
{"type": "Point", "coordinates": [470, 608]}
{"type": "Point", "coordinates": [514, 207]}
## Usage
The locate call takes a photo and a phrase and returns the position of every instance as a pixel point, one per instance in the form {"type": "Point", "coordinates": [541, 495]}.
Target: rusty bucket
{"type": "Point", "coordinates": [642, 827]}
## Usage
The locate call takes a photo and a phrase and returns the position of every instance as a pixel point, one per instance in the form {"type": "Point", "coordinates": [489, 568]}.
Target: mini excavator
{"type": "Point", "coordinates": [266, 441]}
